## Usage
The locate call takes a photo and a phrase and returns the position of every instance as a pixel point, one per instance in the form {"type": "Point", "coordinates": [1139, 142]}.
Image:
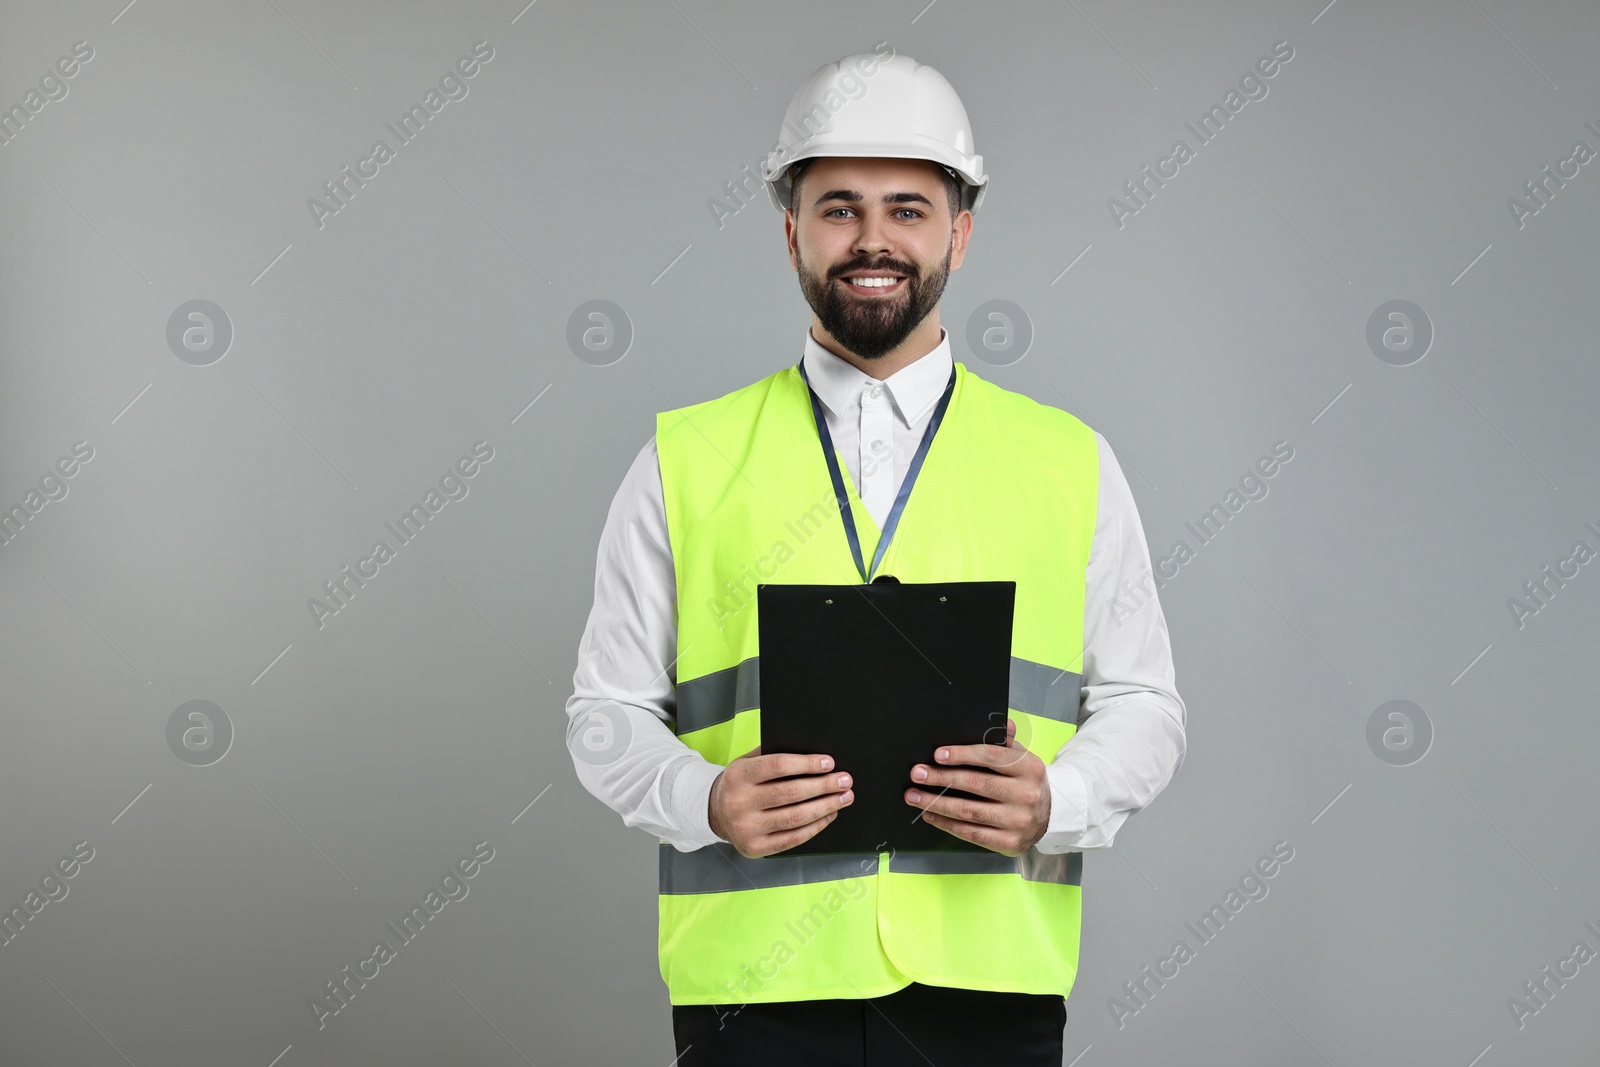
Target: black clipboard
{"type": "Point", "coordinates": [878, 676]}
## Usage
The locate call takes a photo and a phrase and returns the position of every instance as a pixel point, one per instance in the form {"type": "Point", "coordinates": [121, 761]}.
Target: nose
{"type": "Point", "coordinates": [873, 237]}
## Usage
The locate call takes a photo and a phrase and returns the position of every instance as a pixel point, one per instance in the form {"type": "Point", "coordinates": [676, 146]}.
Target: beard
{"type": "Point", "coordinates": [873, 326]}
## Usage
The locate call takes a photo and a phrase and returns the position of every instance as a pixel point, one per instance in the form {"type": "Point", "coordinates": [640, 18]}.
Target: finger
{"type": "Point", "coordinates": [984, 783]}
{"type": "Point", "coordinates": [1022, 730]}
{"type": "Point", "coordinates": [981, 812]}
{"type": "Point", "coordinates": [1012, 745]}
{"type": "Point", "coordinates": [791, 816]}
{"type": "Point", "coordinates": [978, 835]}
{"type": "Point", "coordinates": [954, 826]}
{"type": "Point", "coordinates": [792, 790]}
{"type": "Point", "coordinates": [791, 838]}
{"type": "Point", "coordinates": [1010, 758]}
{"type": "Point", "coordinates": [786, 764]}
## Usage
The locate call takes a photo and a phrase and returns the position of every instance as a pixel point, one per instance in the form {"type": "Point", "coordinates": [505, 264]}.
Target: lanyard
{"type": "Point", "coordinates": [905, 485]}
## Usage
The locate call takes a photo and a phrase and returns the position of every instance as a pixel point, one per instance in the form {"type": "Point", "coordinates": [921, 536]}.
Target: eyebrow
{"type": "Point", "coordinates": [854, 197]}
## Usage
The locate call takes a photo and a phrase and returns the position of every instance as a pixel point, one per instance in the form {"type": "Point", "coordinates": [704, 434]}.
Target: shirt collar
{"type": "Point", "coordinates": [914, 388]}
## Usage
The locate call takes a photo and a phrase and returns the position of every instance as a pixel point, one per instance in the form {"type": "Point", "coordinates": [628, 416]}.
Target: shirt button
{"type": "Point", "coordinates": [877, 446]}
{"type": "Point", "coordinates": [875, 392]}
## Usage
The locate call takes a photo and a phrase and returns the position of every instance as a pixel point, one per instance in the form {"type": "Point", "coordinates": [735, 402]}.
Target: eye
{"type": "Point", "coordinates": [914, 212]}
{"type": "Point", "coordinates": [830, 212]}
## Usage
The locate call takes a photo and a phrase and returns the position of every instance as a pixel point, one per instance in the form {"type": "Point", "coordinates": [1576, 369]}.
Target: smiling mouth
{"type": "Point", "coordinates": [873, 285]}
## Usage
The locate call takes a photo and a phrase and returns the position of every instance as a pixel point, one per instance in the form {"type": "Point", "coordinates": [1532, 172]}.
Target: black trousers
{"type": "Point", "coordinates": [918, 1026]}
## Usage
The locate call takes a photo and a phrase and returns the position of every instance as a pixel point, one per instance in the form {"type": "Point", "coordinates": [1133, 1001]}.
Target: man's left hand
{"type": "Point", "coordinates": [1016, 811]}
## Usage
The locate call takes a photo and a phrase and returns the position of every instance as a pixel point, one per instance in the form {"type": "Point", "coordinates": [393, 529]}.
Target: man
{"type": "Point", "coordinates": [872, 958]}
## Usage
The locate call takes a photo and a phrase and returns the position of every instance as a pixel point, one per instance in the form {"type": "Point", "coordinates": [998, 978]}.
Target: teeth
{"type": "Point", "coordinates": [875, 283]}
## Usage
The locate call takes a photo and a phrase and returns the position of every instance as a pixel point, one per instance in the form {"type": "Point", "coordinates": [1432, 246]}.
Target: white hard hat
{"type": "Point", "coordinates": [869, 104]}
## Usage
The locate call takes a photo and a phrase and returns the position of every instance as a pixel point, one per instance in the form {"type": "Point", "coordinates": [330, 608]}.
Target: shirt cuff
{"type": "Point", "coordinates": [688, 789]}
{"type": "Point", "coordinates": [1069, 808]}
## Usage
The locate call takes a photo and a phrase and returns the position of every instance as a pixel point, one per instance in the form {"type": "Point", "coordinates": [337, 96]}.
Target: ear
{"type": "Point", "coordinates": [960, 234]}
{"type": "Point", "coordinates": [791, 235]}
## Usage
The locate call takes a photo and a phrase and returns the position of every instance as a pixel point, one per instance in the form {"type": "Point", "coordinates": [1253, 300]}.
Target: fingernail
{"type": "Point", "coordinates": [846, 797]}
{"type": "Point", "coordinates": [919, 773]}
{"type": "Point", "coordinates": [916, 797]}
{"type": "Point", "coordinates": [943, 753]}
{"type": "Point", "coordinates": [844, 780]}
{"type": "Point", "coordinates": [827, 763]}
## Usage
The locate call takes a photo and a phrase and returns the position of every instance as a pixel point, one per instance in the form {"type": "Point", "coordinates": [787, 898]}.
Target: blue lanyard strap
{"type": "Point", "coordinates": [905, 484]}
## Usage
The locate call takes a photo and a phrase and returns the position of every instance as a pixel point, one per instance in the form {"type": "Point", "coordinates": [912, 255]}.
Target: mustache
{"type": "Point", "coordinates": [898, 266]}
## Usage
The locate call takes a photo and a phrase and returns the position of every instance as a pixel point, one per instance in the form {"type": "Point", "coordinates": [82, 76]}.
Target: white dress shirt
{"type": "Point", "coordinates": [1130, 739]}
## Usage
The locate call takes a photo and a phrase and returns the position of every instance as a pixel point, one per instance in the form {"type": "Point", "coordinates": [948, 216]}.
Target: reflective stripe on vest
{"type": "Point", "coordinates": [1007, 492]}
{"type": "Point", "coordinates": [1036, 688]}
{"type": "Point", "coordinates": [720, 868]}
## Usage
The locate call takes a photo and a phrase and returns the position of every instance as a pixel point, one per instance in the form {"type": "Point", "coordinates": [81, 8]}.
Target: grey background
{"type": "Point", "coordinates": [368, 356]}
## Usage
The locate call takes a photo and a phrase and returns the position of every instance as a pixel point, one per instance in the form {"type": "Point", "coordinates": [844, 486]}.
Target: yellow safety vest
{"type": "Point", "coordinates": [1007, 492]}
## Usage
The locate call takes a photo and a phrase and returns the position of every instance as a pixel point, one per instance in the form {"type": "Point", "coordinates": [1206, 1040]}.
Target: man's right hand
{"type": "Point", "coordinates": [759, 816]}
